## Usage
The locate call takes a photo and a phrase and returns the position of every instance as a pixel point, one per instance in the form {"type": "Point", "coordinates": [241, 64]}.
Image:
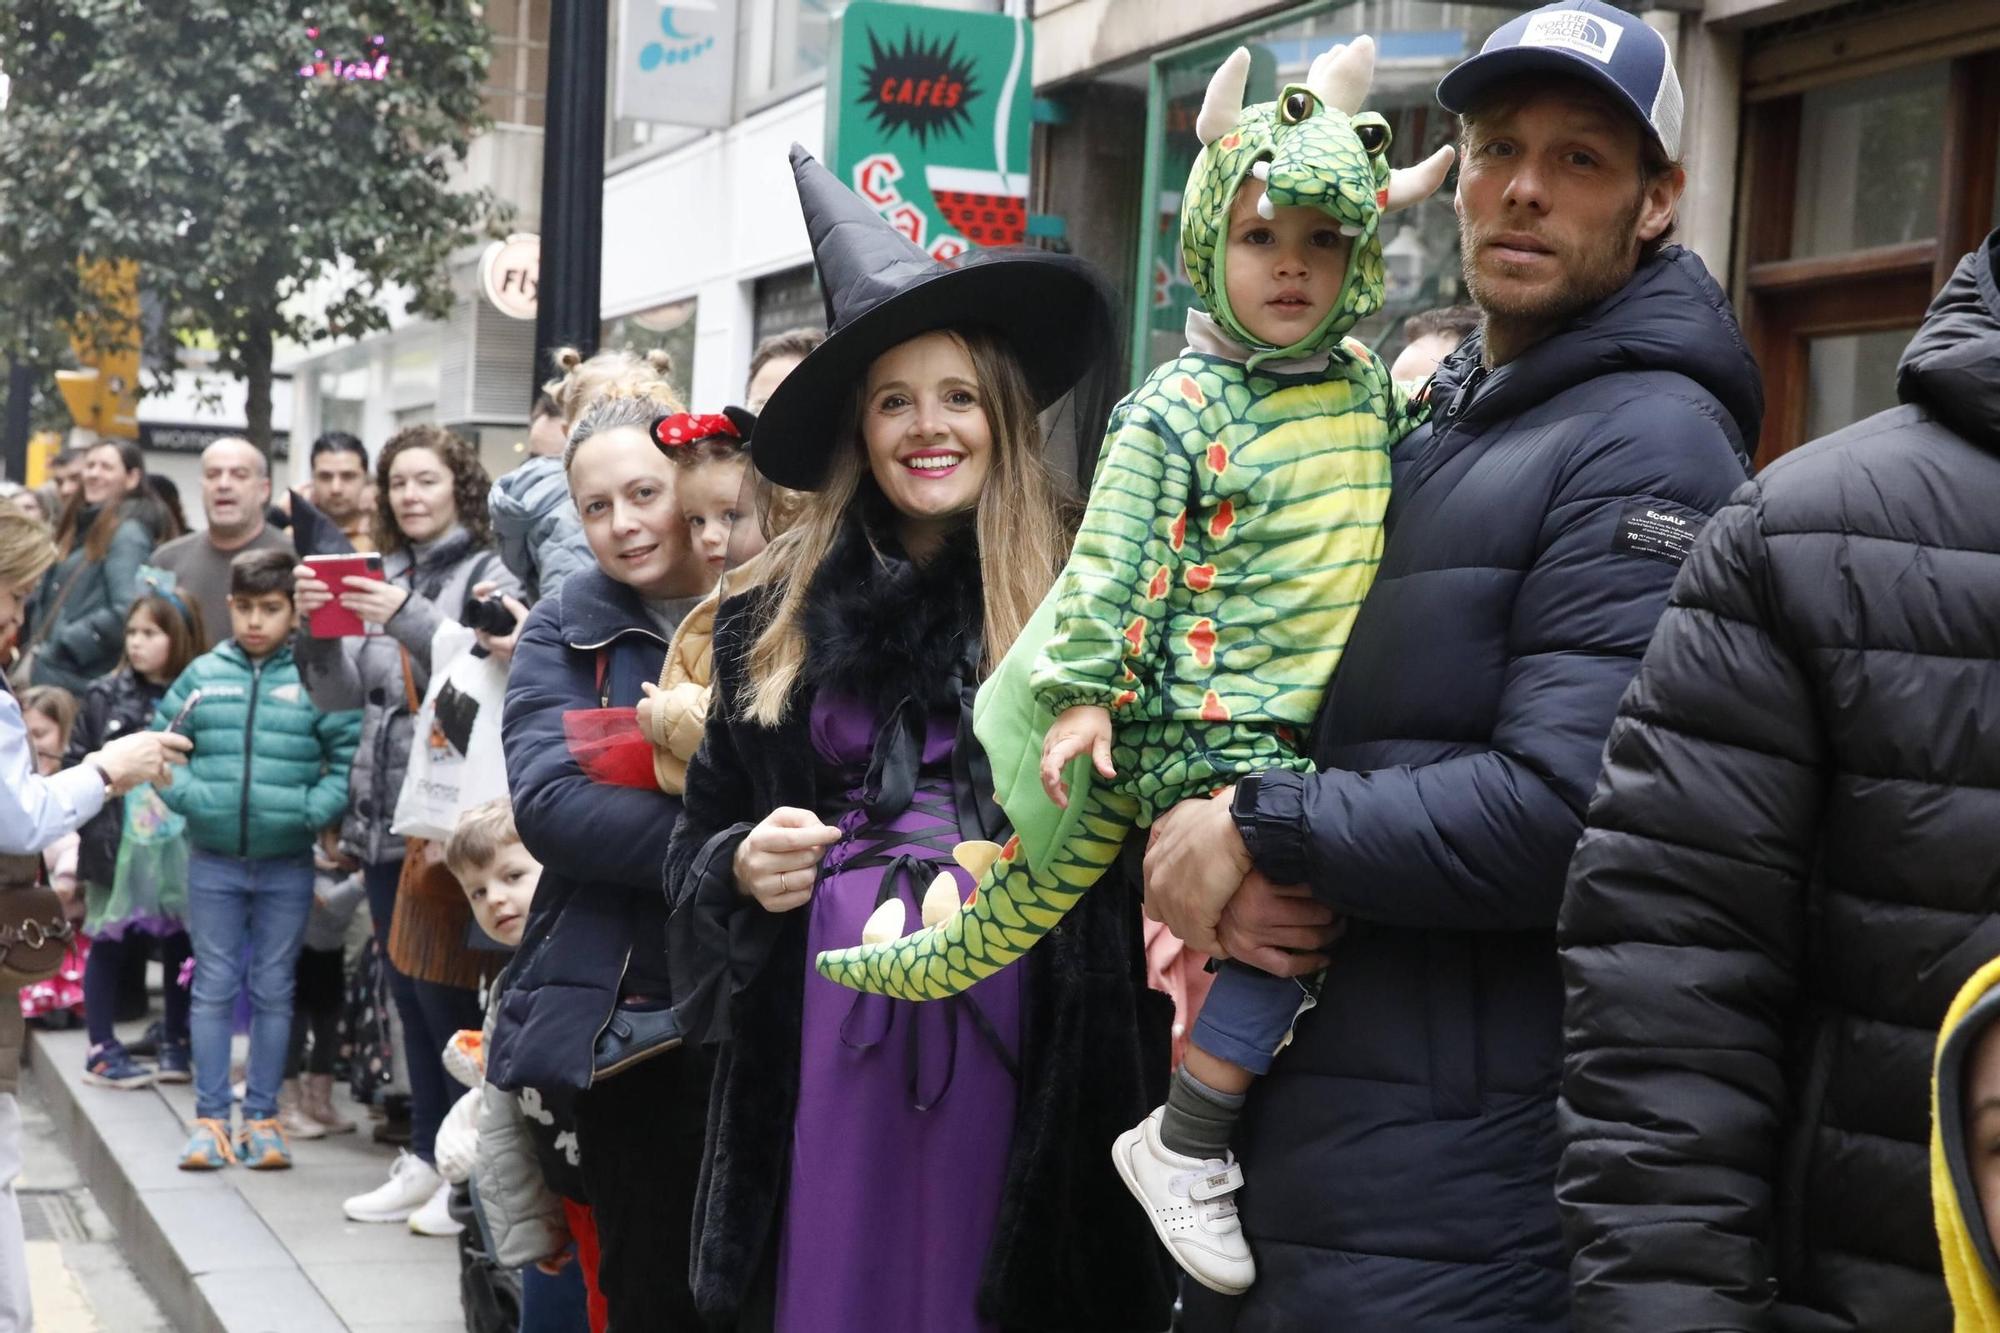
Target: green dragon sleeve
{"type": "Point", "coordinates": [1119, 571]}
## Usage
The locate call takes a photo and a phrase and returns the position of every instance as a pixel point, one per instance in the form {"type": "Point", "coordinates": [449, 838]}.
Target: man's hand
{"type": "Point", "coordinates": [143, 756]}
{"type": "Point", "coordinates": [1278, 928]}
{"type": "Point", "coordinates": [1084, 729]}
{"type": "Point", "coordinates": [1195, 862]}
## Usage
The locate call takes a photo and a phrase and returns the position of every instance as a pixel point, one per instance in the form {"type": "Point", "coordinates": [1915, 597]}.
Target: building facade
{"type": "Point", "coordinates": [1841, 157]}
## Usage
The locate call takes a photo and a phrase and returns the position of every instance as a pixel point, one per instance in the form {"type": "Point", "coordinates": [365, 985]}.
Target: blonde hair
{"type": "Point", "coordinates": [26, 549]}
{"type": "Point", "coordinates": [618, 374]}
{"type": "Point", "coordinates": [479, 836]}
{"type": "Point", "coordinates": [53, 702]}
{"type": "Point", "coordinates": [1021, 518]}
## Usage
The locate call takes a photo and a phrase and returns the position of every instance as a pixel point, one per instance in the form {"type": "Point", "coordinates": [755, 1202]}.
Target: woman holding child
{"type": "Point", "coordinates": [585, 1018]}
{"type": "Point", "coordinates": [837, 772]}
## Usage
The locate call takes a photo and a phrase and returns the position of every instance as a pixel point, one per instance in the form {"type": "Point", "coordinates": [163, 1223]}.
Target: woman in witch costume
{"type": "Point", "coordinates": [873, 1164]}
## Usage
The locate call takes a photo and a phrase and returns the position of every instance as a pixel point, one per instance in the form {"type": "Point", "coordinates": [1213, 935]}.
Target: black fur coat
{"type": "Point", "coordinates": [1073, 1252]}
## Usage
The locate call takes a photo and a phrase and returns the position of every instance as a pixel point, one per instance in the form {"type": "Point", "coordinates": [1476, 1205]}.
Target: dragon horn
{"type": "Point", "coordinates": [1224, 102]}
{"type": "Point", "coordinates": [1413, 185]}
{"type": "Point", "coordinates": [1348, 76]}
{"type": "Point", "coordinates": [1319, 78]}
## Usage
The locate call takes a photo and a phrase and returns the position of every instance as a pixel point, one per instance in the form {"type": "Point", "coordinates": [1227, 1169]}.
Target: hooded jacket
{"type": "Point", "coordinates": [1789, 871]}
{"type": "Point", "coordinates": [1401, 1154]}
{"type": "Point", "coordinates": [1965, 1234]}
{"type": "Point", "coordinates": [536, 523]}
{"type": "Point", "coordinates": [268, 770]}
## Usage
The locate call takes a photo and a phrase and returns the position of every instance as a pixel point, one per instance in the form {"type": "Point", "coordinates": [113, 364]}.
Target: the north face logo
{"type": "Point", "coordinates": [1572, 31]}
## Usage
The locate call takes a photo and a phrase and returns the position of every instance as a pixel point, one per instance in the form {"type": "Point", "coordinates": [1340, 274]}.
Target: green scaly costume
{"type": "Point", "coordinates": [1234, 526]}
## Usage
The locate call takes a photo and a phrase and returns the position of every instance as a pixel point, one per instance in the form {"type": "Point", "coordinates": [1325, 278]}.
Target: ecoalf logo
{"type": "Point", "coordinates": [1666, 518]}
{"type": "Point", "coordinates": [1573, 31]}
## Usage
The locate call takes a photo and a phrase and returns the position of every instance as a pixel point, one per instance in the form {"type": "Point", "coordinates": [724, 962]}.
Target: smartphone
{"type": "Point", "coordinates": [334, 621]}
{"type": "Point", "coordinates": [179, 725]}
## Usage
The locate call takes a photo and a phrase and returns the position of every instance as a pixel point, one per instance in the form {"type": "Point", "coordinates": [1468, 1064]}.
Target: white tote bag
{"type": "Point", "coordinates": [455, 757]}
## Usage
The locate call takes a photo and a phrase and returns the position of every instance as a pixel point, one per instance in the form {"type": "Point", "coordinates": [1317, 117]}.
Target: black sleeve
{"type": "Point", "coordinates": [1681, 931]}
{"type": "Point", "coordinates": [716, 942]}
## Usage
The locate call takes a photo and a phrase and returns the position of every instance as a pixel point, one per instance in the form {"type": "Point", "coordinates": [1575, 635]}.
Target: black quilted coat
{"type": "Point", "coordinates": [1793, 862]}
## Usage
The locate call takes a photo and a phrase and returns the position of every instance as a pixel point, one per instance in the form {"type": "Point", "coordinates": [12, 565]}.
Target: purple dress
{"type": "Point", "coordinates": [905, 1111]}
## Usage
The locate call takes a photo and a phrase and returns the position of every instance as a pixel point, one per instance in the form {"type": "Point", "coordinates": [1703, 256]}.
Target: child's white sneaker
{"type": "Point", "coordinates": [1193, 1206]}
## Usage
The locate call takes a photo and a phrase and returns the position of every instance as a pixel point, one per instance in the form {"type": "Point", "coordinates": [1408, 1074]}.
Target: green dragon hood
{"type": "Point", "coordinates": [1312, 147]}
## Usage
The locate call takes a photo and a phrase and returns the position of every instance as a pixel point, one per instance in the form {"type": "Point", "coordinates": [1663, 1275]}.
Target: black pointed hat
{"type": "Point", "coordinates": [881, 290]}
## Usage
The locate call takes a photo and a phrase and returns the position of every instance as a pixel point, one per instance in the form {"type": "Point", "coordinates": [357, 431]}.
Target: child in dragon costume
{"type": "Point", "coordinates": [1234, 527]}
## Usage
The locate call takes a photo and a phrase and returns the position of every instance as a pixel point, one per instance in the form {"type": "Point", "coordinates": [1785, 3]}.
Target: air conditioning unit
{"type": "Point", "coordinates": [485, 365]}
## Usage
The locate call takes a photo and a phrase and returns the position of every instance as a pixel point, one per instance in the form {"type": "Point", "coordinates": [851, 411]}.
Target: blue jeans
{"type": "Point", "coordinates": [1249, 1013]}
{"type": "Point", "coordinates": [232, 901]}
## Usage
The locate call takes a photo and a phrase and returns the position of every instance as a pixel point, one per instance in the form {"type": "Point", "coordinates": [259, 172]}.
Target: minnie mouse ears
{"type": "Point", "coordinates": [687, 428]}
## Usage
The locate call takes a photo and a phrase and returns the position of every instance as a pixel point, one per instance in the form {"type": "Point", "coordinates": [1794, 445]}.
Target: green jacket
{"type": "Point", "coordinates": [269, 770]}
{"type": "Point", "coordinates": [88, 633]}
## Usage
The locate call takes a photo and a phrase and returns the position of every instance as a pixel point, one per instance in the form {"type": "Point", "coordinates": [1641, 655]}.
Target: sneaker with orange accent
{"type": "Point", "coordinates": [207, 1147]}
{"type": "Point", "coordinates": [261, 1144]}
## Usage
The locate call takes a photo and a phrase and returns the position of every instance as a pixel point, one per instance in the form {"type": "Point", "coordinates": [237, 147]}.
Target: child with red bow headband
{"type": "Point", "coordinates": [713, 454]}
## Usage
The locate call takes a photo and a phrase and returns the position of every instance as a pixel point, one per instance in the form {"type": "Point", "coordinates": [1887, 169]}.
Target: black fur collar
{"type": "Point", "coordinates": [884, 629]}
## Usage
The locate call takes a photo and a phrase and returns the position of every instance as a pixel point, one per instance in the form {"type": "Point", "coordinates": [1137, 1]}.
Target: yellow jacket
{"type": "Point", "coordinates": [1969, 1258]}
{"type": "Point", "coordinates": [673, 718]}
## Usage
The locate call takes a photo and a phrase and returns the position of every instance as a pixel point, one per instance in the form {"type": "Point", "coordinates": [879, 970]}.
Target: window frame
{"type": "Point", "coordinates": [1787, 302]}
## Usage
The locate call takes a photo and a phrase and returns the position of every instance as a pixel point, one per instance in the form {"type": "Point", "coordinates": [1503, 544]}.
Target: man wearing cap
{"type": "Point", "coordinates": [1400, 1160]}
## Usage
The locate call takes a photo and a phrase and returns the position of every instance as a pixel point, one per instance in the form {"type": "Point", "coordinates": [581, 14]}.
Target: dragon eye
{"type": "Point", "coordinates": [1297, 106]}
{"type": "Point", "coordinates": [1374, 138]}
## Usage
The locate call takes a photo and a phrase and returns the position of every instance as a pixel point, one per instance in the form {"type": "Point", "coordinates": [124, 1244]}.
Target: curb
{"type": "Point", "coordinates": [197, 1245]}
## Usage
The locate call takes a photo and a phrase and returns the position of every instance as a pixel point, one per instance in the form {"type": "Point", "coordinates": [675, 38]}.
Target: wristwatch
{"type": "Point", "coordinates": [110, 787]}
{"type": "Point", "coordinates": [1243, 809]}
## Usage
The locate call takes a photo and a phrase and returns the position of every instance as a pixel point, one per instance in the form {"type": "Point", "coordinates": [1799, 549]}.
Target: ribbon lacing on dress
{"type": "Point", "coordinates": [894, 784]}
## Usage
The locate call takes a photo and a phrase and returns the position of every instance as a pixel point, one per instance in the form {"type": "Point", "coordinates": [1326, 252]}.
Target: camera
{"type": "Point", "coordinates": [489, 614]}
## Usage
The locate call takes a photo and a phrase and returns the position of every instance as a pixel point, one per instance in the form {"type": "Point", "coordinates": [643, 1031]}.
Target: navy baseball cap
{"type": "Point", "coordinates": [1586, 39]}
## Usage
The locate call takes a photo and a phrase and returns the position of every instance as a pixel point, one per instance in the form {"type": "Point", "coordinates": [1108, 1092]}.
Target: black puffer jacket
{"type": "Point", "coordinates": [117, 705]}
{"type": "Point", "coordinates": [1793, 862]}
{"type": "Point", "coordinates": [1400, 1158]}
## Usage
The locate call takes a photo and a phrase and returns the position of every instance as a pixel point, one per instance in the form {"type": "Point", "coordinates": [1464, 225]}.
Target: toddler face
{"type": "Point", "coordinates": [709, 495]}
{"type": "Point", "coordinates": [1283, 273]}
{"type": "Point", "coordinates": [500, 892]}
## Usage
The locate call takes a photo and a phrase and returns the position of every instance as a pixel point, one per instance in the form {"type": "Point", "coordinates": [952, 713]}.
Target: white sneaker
{"type": "Point", "coordinates": [434, 1218]}
{"type": "Point", "coordinates": [411, 1183]}
{"type": "Point", "coordinates": [1192, 1203]}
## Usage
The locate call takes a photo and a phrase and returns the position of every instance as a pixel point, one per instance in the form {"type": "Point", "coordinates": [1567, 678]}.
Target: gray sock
{"type": "Point", "coordinates": [1199, 1121]}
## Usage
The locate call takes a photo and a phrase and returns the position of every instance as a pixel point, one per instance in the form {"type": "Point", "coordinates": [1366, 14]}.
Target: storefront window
{"type": "Point", "coordinates": [1416, 42]}
{"type": "Point", "coordinates": [1870, 157]}
{"type": "Point", "coordinates": [670, 326]}
{"type": "Point", "coordinates": [1851, 376]}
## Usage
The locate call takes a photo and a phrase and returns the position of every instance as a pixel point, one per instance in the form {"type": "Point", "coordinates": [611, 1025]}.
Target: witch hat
{"type": "Point", "coordinates": [1053, 310]}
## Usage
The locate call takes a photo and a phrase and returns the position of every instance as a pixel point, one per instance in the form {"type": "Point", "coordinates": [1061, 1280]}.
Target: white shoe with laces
{"type": "Point", "coordinates": [410, 1185]}
{"type": "Point", "coordinates": [434, 1218]}
{"type": "Point", "coordinates": [1192, 1202]}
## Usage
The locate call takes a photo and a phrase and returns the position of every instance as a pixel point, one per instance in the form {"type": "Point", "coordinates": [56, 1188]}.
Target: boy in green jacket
{"type": "Point", "coordinates": [267, 773]}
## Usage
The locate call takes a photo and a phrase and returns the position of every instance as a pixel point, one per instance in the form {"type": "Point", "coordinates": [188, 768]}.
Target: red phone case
{"type": "Point", "coordinates": [334, 621]}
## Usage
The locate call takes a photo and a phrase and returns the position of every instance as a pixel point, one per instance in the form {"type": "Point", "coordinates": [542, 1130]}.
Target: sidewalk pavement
{"type": "Point", "coordinates": [239, 1251]}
